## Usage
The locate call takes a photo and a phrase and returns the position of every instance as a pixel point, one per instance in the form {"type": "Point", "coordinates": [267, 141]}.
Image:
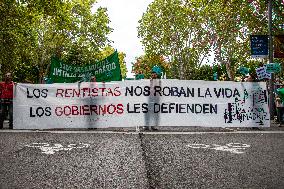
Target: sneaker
{"type": "Point", "coordinates": [93, 128]}
{"type": "Point", "coordinates": [146, 128]}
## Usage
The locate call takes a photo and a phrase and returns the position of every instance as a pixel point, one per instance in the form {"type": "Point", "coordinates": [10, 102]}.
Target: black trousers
{"type": "Point", "coordinates": [280, 112]}
{"type": "Point", "coordinates": [6, 108]}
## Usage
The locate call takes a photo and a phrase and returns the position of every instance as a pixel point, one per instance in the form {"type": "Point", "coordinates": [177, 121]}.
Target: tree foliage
{"type": "Point", "coordinates": [188, 32]}
{"type": "Point", "coordinates": [145, 63]}
{"type": "Point", "coordinates": [171, 28]}
{"type": "Point", "coordinates": [33, 31]}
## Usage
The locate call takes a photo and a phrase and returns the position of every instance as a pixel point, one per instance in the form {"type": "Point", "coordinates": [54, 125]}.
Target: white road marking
{"type": "Point", "coordinates": [236, 148]}
{"type": "Point", "coordinates": [51, 149]}
{"type": "Point", "coordinates": [146, 133]}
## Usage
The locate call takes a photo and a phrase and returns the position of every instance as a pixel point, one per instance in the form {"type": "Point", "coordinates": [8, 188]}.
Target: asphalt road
{"type": "Point", "coordinates": [105, 159]}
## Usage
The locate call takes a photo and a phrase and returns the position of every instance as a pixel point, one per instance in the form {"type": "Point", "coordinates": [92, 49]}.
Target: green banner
{"type": "Point", "coordinates": [107, 69]}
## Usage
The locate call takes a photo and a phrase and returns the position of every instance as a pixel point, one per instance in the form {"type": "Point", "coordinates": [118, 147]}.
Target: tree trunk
{"type": "Point", "coordinates": [230, 71]}
{"type": "Point", "coordinates": [181, 70]}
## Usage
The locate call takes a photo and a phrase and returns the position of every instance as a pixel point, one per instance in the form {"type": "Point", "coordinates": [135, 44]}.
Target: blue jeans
{"type": "Point", "coordinates": [6, 107]}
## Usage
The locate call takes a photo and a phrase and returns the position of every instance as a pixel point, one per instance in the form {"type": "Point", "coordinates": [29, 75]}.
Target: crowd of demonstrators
{"type": "Point", "coordinates": [7, 85]}
{"type": "Point", "coordinates": [6, 100]}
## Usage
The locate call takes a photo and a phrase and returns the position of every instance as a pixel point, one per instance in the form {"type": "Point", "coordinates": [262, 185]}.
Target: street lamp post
{"type": "Point", "coordinates": [270, 55]}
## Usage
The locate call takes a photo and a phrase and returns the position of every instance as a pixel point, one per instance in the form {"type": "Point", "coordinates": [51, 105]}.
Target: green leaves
{"type": "Point", "coordinates": [144, 65]}
{"type": "Point", "coordinates": [32, 31]}
{"type": "Point", "coordinates": [176, 30]}
{"type": "Point", "coordinates": [188, 32]}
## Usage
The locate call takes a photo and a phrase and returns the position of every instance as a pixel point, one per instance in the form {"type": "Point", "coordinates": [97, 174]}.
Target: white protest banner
{"type": "Point", "coordinates": [141, 103]}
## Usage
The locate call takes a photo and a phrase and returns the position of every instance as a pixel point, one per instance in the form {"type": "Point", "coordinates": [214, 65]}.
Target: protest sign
{"type": "Point", "coordinates": [273, 68]}
{"type": "Point", "coordinates": [262, 74]}
{"type": "Point", "coordinates": [105, 70]}
{"type": "Point", "coordinates": [141, 103]}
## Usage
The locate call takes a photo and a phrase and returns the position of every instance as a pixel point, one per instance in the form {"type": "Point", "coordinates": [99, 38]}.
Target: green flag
{"type": "Point", "coordinates": [107, 69]}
